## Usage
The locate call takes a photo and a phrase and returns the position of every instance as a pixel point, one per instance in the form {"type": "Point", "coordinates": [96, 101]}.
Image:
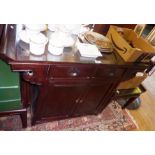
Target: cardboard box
{"type": "Point", "coordinates": [132, 83]}
{"type": "Point", "coordinates": [129, 46]}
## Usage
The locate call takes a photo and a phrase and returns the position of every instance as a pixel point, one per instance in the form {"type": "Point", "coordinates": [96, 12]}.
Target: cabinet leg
{"type": "Point", "coordinates": [33, 121]}
{"type": "Point", "coordinates": [128, 102]}
{"type": "Point", "coordinates": [23, 117]}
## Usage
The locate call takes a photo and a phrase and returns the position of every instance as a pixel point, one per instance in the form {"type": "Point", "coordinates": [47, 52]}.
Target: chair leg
{"type": "Point", "coordinates": [23, 117]}
{"type": "Point", "coordinates": [129, 102]}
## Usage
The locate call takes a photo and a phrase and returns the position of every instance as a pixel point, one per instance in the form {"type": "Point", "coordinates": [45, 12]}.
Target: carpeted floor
{"type": "Point", "coordinates": [113, 118]}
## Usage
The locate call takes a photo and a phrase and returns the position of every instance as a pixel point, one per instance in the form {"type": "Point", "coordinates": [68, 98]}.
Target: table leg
{"type": "Point", "coordinates": [23, 117]}
{"type": "Point", "coordinates": [129, 101]}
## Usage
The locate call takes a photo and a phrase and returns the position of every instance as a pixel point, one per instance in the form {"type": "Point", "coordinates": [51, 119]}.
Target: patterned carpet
{"type": "Point", "coordinates": [113, 118]}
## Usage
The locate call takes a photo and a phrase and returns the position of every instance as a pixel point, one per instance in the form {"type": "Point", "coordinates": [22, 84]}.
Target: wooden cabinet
{"type": "Point", "coordinates": [67, 99]}
{"type": "Point", "coordinates": [65, 86]}
{"type": "Point", "coordinates": [74, 90]}
{"type": "Point", "coordinates": [1, 29]}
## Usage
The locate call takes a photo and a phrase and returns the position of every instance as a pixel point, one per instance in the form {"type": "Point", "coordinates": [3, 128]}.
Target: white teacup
{"type": "Point", "coordinates": [33, 29]}
{"type": "Point", "coordinates": [55, 50]}
{"type": "Point", "coordinates": [38, 43]}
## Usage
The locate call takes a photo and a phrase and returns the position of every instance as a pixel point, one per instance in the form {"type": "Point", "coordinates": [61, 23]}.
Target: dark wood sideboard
{"type": "Point", "coordinates": [58, 87]}
{"type": "Point", "coordinates": [103, 28]}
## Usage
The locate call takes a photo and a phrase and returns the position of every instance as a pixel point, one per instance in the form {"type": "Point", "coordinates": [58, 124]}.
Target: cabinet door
{"type": "Point", "coordinates": [58, 100]}
{"type": "Point", "coordinates": [93, 97]}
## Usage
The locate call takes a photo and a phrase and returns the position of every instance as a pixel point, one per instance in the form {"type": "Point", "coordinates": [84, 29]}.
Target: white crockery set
{"type": "Point", "coordinates": [61, 37]}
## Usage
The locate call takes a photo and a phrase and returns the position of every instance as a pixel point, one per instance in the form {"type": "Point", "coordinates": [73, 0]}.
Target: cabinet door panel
{"type": "Point", "coordinates": [58, 101]}
{"type": "Point", "coordinates": [93, 97]}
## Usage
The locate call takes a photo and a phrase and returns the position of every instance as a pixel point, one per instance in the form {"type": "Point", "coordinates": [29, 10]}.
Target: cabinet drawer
{"type": "Point", "coordinates": [71, 71]}
{"type": "Point", "coordinates": [109, 72]}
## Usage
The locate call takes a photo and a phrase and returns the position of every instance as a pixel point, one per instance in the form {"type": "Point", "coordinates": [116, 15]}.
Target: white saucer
{"type": "Point", "coordinates": [24, 36]}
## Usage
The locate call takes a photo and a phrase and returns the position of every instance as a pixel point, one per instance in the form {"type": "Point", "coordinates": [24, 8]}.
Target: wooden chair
{"type": "Point", "coordinates": [10, 97]}
{"type": "Point", "coordinates": [129, 94]}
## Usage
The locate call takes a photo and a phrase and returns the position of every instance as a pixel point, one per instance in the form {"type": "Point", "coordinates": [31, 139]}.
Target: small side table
{"type": "Point", "coordinates": [130, 94]}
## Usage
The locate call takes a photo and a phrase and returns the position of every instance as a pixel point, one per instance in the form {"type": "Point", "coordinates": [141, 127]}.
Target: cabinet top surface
{"type": "Point", "coordinates": [13, 49]}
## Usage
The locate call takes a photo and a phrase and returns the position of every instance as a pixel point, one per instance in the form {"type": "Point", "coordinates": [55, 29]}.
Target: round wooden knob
{"type": "Point", "coordinates": [111, 74]}
{"type": "Point", "coordinates": [29, 73]}
{"type": "Point", "coordinates": [73, 74]}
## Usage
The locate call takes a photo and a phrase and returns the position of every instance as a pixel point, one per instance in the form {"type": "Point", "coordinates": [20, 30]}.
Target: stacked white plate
{"type": "Point", "coordinates": [88, 50]}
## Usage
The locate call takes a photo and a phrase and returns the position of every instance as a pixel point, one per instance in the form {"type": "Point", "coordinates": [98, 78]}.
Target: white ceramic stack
{"type": "Point", "coordinates": [38, 43]}
{"type": "Point", "coordinates": [32, 35]}
{"type": "Point", "coordinates": [62, 37]}
{"type": "Point", "coordinates": [33, 29]}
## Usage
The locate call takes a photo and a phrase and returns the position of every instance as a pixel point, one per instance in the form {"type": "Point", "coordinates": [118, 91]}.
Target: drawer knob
{"type": "Point", "coordinates": [29, 73]}
{"type": "Point", "coordinates": [111, 74]}
{"type": "Point", "coordinates": [73, 74]}
{"type": "Point", "coordinates": [77, 100]}
{"type": "Point", "coordinates": [81, 101]}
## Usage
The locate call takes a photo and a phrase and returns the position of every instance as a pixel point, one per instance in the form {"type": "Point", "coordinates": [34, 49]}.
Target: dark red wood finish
{"type": "Point", "coordinates": [103, 28]}
{"type": "Point", "coordinates": [65, 86]}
